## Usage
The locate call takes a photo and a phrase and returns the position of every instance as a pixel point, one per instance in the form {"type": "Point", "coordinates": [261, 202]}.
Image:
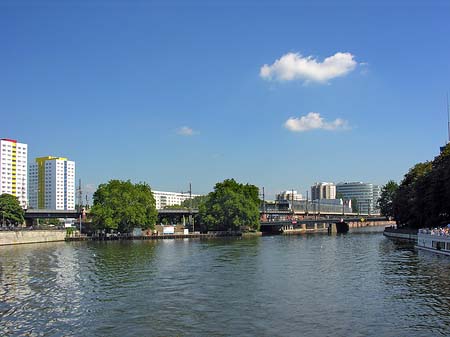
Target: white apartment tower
{"type": "Point", "coordinates": [13, 169]}
{"type": "Point", "coordinates": [52, 183]}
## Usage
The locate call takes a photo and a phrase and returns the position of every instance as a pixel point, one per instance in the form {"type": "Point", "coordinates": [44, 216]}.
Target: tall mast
{"type": "Point", "coordinates": [448, 118]}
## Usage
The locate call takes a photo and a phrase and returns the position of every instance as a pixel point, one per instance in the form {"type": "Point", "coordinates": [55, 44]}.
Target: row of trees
{"type": "Point", "coordinates": [122, 206]}
{"type": "Point", "coordinates": [423, 197]}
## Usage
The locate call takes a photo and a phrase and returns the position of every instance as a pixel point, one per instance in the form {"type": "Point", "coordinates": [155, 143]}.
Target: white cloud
{"type": "Point", "coordinates": [313, 121]}
{"type": "Point", "coordinates": [294, 66]}
{"type": "Point", "coordinates": [186, 131]}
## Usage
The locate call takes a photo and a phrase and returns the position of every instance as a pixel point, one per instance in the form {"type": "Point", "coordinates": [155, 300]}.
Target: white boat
{"type": "Point", "coordinates": [434, 240]}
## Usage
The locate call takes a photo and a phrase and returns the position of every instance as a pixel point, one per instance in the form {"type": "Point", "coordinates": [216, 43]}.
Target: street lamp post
{"type": "Point", "coordinates": [191, 218]}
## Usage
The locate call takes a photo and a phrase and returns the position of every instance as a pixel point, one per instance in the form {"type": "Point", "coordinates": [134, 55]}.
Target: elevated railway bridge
{"type": "Point", "coordinates": [271, 220]}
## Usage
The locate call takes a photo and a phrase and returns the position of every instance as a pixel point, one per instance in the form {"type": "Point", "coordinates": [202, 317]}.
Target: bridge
{"type": "Point", "coordinates": [50, 214]}
{"type": "Point", "coordinates": [331, 224]}
{"type": "Point", "coordinates": [273, 221]}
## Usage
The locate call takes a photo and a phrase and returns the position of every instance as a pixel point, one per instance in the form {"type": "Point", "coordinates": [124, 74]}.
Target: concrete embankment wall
{"type": "Point", "coordinates": [31, 236]}
{"type": "Point", "coordinates": [359, 224]}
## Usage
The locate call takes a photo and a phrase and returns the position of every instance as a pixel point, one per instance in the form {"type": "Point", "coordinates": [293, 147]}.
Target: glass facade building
{"type": "Point", "coordinates": [366, 195]}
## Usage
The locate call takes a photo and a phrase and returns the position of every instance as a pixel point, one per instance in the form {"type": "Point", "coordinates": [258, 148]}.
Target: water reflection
{"type": "Point", "coordinates": [353, 285]}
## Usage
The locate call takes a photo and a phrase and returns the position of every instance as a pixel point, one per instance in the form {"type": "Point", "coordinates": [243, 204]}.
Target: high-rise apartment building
{"type": "Point", "coordinates": [323, 191]}
{"type": "Point", "coordinates": [366, 195]}
{"type": "Point", "coordinates": [13, 169]}
{"type": "Point", "coordinates": [52, 183]}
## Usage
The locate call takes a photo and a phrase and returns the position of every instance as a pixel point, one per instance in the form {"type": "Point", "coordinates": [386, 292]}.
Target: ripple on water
{"type": "Point", "coordinates": [359, 284]}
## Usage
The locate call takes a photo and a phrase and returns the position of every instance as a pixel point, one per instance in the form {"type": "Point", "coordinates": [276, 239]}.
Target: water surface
{"type": "Point", "coordinates": [359, 284]}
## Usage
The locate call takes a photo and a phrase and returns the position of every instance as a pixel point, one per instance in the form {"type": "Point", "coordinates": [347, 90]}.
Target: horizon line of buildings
{"type": "Point", "coordinates": [49, 183]}
{"type": "Point", "coordinates": [365, 194]}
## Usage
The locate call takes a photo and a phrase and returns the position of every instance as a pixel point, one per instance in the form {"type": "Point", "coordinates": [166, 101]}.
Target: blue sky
{"type": "Point", "coordinates": [171, 92]}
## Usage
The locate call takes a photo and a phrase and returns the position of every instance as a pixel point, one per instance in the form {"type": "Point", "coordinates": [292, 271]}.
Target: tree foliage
{"type": "Point", "coordinates": [423, 197]}
{"type": "Point", "coordinates": [230, 206]}
{"type": "Point", "coordinates": [10, 210]}
{"type": "Point", "coordinates": [385, 203]}
{"type": "Point", "coordinates": [194, 202]}
{"type": "Point", "coordinates": [122, 205]}
{"type": "Point", "coordinates": [189, 203]}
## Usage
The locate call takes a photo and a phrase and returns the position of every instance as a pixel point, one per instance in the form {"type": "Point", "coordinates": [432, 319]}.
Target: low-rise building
{"type": "Point", "coordinates": [164, 199]}
{"type": "Point", "coordinates": [289, 196]}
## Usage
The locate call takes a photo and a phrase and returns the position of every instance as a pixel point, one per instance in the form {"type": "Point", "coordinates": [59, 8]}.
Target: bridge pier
{"type": "Point", "coordinates": [338, 228]}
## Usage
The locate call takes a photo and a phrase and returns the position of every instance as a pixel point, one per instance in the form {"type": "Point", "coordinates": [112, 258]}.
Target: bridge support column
{"type": "Point", "coordinates": [332, 228]}
{"type": "Point", "coordinates": [304, 226]}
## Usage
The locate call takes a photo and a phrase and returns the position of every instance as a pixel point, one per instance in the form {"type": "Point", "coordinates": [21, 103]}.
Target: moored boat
{"type": "Point", "coordinates": [434, 240]}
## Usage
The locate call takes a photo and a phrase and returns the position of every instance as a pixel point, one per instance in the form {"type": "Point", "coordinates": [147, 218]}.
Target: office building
{"type": "Point", "coordinates": [366, 195]}
{"type": "Point", "coordinates": [13, 169]}
{"type": "Point", "coordinates": [289, 196]}
{"type": "Point", "coordinates": [323, 191]}
{"type": "Point", "coordinates": [164, 199]}
{"type": "Point", "coordinates": [52, 183]}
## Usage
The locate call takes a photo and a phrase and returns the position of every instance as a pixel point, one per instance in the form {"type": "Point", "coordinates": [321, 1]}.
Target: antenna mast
{"type": "Point", "coordinates": [448, 119]}
{"type": "Point", "coordinates": [80, 197]}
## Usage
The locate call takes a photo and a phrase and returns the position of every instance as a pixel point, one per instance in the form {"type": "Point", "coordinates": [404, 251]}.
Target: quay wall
{"type": "Point", "coordinates": [400, 234]}
{"type": "Point", "coordinates": [358, 224]}
{"type": "Point", "coordinates": [324, 227]}
{"type": "Point", "coordinates": [31, 236]}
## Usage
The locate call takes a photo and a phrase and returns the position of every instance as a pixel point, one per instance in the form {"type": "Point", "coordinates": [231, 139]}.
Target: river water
{"type": "Point", "coordinates": [358, 284]}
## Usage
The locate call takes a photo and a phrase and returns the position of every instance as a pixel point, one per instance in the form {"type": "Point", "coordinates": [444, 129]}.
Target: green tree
{"type": "Point", "coordinates": [122, 205]}
{"type": "Point", "coordinates": [355, 206]}
{"type": "Point", "coordinates": [408, 202]}
{"type": "Point", "coordinates": [194, 202]}
{"type": "Point", "coordinates": [230, 206]}
{"type": "Point", "coordinates": [385, 203]}
{"type": "Point", "coordinates": [10, 210]}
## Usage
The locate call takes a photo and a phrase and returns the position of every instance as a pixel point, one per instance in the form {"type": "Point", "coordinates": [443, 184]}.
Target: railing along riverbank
{"type": "Point", "coordinates": [120, 237]}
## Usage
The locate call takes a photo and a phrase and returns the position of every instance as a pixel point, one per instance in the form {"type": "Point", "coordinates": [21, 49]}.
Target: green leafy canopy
{"type": "Point", "coordinates": [230, 206]}
{"type": "Point", "coordinates": [10, 210]}
{"type": "Point", "coordinates": [122, 205]}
